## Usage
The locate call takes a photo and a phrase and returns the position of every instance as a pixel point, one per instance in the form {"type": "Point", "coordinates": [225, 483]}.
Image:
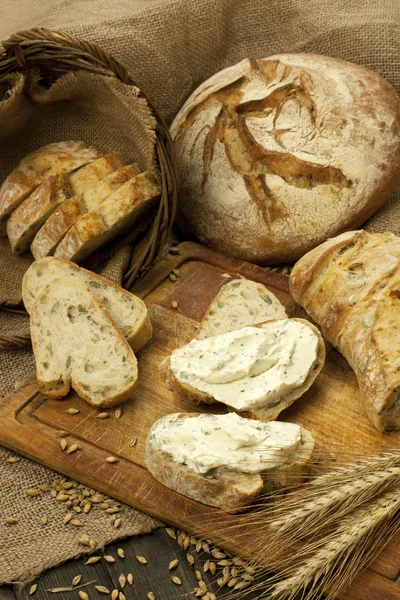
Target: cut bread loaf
{"type": "Point", "coordinates": [128, 311]}
{"type": "Point", "coordinates": [114, 216]}
{"type": "Point", "coordinates": [27, 219]}
{"type": "Point", "coordinates": [76, 343]}
{"type": "Point", "coordinates": [350, 285]}
{"type": "Point", "coordinates": [257, 371]}
{"type": "Point", "coordinates": [66, 215]}
{"type": "Point", "coordinates": [240, 303]}
{"type": "Point", "coordinates": [226, 460]}
{"type": "Point", "coordinates": [34, 169]}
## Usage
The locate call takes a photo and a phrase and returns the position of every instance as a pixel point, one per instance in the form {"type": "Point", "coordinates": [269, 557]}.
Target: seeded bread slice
{"type": "Point", "coordinates": [66, 215]}
{"type": "Point", "coordinates": [114, 216]}
{"type": "Point", "coordinates": [61, 157]}
{"type": "Point", "coordinates": [240, 303]}
{"type": "Point", "coordinates": [234, 491]}
{"type": "Point", "coordinates": [128, 311]}
{"type": "Point", "coordinates": [27, 219]}
{"type": "Point", "coordinates": [263, 413]}
{"type": "Point", "coordinates": [101, 368]}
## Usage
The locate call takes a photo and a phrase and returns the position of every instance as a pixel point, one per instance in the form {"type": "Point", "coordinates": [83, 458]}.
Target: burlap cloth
{"type": "Point", "coordinates": [169, 47]}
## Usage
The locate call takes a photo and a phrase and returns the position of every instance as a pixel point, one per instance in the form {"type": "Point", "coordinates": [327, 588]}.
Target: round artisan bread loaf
{"type": "Point", "coordinates": [278, 154]}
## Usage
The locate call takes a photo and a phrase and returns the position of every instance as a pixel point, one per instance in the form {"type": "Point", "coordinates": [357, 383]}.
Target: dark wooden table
{"type": "Point", "coordinates": [158, 549]}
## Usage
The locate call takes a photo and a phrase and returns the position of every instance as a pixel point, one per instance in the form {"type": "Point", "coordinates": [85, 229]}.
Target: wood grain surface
{"type": "Point", "coordinates": [332, 410]}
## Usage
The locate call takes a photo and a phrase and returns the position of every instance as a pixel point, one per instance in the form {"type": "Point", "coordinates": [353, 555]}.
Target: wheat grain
{"type": "Point", "coordinates": [33, 589]}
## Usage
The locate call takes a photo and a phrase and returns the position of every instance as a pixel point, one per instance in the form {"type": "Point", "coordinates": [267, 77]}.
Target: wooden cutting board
{"type": "Point", "coordinates": [332, 410]}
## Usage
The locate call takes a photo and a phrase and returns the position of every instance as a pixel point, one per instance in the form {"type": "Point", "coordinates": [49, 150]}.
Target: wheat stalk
{"type": "Point", "coordinates": [334, 560]}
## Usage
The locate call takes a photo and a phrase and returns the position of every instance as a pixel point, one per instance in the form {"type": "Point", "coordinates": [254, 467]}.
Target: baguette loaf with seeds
{"type": "Point", "coordinates": [226, 460]}
{"type": "Point", "coordinates": [101, 368]}
{"type": "Point", "coordinates": [128, 311]}
{"type": "Point", "coordinates": [34, 169]}
{"type": "Point", "coordinates": [240, 303]}
{"type": "Point", "coordinates": [114, 216]}
{"type": "Point", "coordinates": [350, 286]}
{"type": "Point", "coordinates": [66, 215]}
{"type": "Point", "coordinates": [256, 371]}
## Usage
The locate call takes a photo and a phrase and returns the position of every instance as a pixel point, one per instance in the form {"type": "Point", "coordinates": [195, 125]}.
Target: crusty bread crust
{"type": "Point", "coordinates": [60, 157]}
{"type": "Point", "coordinates": [350, 286]}
{"type": "Point", "coordinates": [260, 413]}
{"type": "Point", "coordinates": [227, 493]}
{"type": "Point", "coordinates": [270, 189]}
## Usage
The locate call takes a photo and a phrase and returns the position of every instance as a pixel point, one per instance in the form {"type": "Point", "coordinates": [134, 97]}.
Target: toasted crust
{"type": "Point", "coordinates": [114, 216]}
{"type": "Point", "coordinates": [27, 219]}
{"type": "Point", "coordinates": [230, 493]}
{"type": "Point", "coordinates": [90, 197]}
{"type": "Point", "coordinates": [351, 288]}
{"type": "Point", "coordinates": [61, 157]}
{"type": "Point", "coordinates": [136, 335]}
{"type": "Point", "coordinates": [260, 413]}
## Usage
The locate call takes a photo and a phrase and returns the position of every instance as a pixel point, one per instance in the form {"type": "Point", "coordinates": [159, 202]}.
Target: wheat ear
{"type": "Point", "coordinates": [337, 551]}
{"type": "Point", "coordinates": [330, 506]}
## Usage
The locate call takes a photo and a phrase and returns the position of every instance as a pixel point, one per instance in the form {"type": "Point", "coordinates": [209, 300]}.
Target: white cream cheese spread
{"type": "Point", "coordinates": [226, 442]}
{"type": "Point", "coordinates": [249, 367]}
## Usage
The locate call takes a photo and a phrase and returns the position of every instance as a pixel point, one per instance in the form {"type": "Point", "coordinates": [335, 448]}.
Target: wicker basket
{"type": "Point", "coordinates": [54, 54]}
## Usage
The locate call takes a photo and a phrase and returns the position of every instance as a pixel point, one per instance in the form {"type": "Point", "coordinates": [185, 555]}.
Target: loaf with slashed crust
{"type": "Point", "coordinates": [101, 368]}
{"type": "Point", "coordinates": [350, 286]}
{"type": "Point", "coordinates": [276, 155]}
{"type": "Point", "coordinates": [66, 215]}
{"type": "Point", "coordinates": [114, 216]}
{"type": "Point", "coordinates": [240, 303]}
{"type": "Point", "coordinates": [34, 169]}
{"type": "Point", "coordinates": [127, 310]}
{"type": "Point", "coordinates": [263, 412]}
{"type": "Point", "coordinates": [231, 491]}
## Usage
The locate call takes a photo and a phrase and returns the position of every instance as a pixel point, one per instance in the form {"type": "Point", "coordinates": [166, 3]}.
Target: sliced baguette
{"type": "Point", "coordinates": [266, 412]}
{"type": "Point", "coordinates": [240, 303]}
{"type": "Point", "coordinates": [27, 219]}
{"type": "Point", "coordinates": [114, 216]}
{"type": "Point", "coordinates": [128, 311]}
{"type": "Point", "coordinates": [89, 176]}
{"type": "Point", "coordinates": [66, 215]}
{"type": "Point", "coordinates": [61, 157]}
{"type": "Point", "coordinates": [76, 343]}
{"type": "Point", "coordinates": [232, 491]}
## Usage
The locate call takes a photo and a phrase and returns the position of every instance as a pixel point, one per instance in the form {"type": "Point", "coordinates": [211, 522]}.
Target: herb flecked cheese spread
{"type": "Point", "coordinates": [221, 443]}
{"type": "Point", "coordinates": [249, 367]}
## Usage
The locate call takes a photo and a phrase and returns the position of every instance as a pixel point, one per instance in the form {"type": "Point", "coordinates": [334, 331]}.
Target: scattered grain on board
{"type": "Point", "coordinates": [33, 589]}
{"type": "Point", "coordinates": [111, 459]}
{"type": "Point", "coordinates": [129, 578]}
{"type": "Point", "coordinates": [121, 553]}
{"type": "Point", "coordinates": [141, 560]}
{"type": "Point", "coordinates": [72, 411]}
{"type": "Point", "coordinates": [173, 564]}
{"type": "Point", "coordinates": [93, 560]}
{"type": "Point", "coordinates": [108, 558]}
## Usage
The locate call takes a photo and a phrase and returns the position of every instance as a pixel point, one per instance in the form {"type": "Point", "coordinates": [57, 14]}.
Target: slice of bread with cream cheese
{"type": "Point", "coordinates": [257, 371]}
{"type": "Point", "coordinates": [226, 460]}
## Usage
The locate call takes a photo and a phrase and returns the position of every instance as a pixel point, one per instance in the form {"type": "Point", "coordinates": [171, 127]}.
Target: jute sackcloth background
{"type": "Point", "coordinates": [170, 47]}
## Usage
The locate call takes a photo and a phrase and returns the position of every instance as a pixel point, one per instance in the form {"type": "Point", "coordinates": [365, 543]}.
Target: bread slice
{"type": "Point", "coordinates": [89, 176]}
{"type": "Point", "coordinates": [240, 303]}
{"type": "Point", "coordinates": [231, 487]}
{"type": "Point", "coordinates": [114, 216]}
{"type": "Point", "coordinates": [76, 343]}
{"type": "Point", "coordinates": [27, 219]}
{"type": "Point", "coordinates": [128, 311]}
{"type": "Point", "coordinates": [224, 353]}
{"type": "Point", "coordinates": [61, 157]}
{"type": "Point", "coordinates": [66, 215]}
